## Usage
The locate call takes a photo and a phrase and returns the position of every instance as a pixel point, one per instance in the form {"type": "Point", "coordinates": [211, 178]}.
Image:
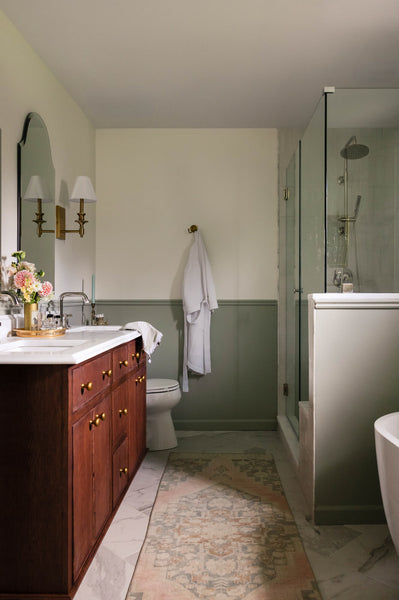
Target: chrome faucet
{"type": "Point", "coordinates": [11, 294]}
{"type": "Point", "coordinates": [65, 294]}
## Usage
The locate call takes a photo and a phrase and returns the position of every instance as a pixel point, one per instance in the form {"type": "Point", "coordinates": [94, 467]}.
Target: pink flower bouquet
{"type": "Point", "coordinates": [26, 281]}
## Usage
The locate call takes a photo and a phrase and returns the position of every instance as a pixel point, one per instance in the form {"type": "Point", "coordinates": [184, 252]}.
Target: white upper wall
{"type": "Point", "coordinates": [152, 184]}
{"type": "Point", "coordinates": [27, 85]}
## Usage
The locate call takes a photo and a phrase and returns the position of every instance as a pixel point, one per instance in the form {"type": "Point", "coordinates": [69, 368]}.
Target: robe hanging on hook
{"type": "Point", "coordinates": [192, 229]}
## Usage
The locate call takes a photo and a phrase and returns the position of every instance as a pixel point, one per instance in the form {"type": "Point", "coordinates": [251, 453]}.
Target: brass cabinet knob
{"type": "Point", "coordinates": [88, 386]}
{"type": "Point", "coordinates": [122, 411]}
{"type": "Point", "coordinates": [94, 422]}
{"type": "Point", "coordinates": [107, 373]}
{"type": "Point", "coordinates": [140, 379]}
{"type": "Point", "coordinates": [123, 363]}
{"type": "Point", "coordinates": [123, 471]}
{"type": "Point", "coordinates": [97, 420]}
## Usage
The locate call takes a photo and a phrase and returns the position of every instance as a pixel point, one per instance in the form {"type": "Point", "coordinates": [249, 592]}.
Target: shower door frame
{"type": "Point", "coordinates": [292, 387]}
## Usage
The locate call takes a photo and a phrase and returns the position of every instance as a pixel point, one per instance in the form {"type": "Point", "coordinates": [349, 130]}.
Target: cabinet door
{"type": "Point", "coordinates": [102, 465]}
{"type": "Point", "coordinates": [91, 479]}
{"type": "Point", "coordinates": [120, 412]}
{"type": "Point", "coordinates": [82, 443]}
{"type": "Point", "coordinates": [141, 389]}
{"type": "Point", "coordinates": [120, 470]}
{"type": "Point", "coordinates": [137, 423]}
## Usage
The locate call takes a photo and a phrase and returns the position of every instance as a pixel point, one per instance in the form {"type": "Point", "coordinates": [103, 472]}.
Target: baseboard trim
{"type": "Point", "coordinates": [225, 425]}
{"type": "Point", "coordinates": [289, 438]}
{"type": "Point", "coordinates": [347, 515]}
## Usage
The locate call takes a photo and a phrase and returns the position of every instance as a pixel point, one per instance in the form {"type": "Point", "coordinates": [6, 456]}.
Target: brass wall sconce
{"type": "Point", "coordinates": [82, 192]}
{"type": "Point", "coordinates": [37, 192]}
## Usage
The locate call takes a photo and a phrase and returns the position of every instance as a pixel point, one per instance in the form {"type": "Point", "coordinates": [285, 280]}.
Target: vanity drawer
{"type": "Point", "coordinates": [124, 359]}
{"type": "Point", "coordinates": [91, 378]}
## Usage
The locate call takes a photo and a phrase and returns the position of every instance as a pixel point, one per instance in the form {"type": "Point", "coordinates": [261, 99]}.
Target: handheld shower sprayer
{"type": "Point", "coordinates": [354, 217]}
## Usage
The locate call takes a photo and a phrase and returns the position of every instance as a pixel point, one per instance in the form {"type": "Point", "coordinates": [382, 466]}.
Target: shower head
{"type": "Point", "coordinates": [352, 150]}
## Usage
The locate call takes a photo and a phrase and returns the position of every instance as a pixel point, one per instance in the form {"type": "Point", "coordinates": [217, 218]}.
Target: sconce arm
{"type": "Point", "coordinates": [39, 220]}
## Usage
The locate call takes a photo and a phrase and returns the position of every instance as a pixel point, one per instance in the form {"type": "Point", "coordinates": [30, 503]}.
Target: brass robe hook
{"type": "Point", "coordinates": [192, 229]}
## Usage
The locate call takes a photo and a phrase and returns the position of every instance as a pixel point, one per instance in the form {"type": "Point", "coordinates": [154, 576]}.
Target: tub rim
{"type": "Point", "coordinates": [380, 427]}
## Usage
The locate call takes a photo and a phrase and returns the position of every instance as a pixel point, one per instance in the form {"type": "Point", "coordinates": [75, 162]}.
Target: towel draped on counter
{"type": "Point", "coordinates": [151, 336]}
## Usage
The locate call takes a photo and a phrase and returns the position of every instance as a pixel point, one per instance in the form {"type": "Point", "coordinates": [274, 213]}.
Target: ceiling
{"type": "Point", "coordinates": [210, 63]}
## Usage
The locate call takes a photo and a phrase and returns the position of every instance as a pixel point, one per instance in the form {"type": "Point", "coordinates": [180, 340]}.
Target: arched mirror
{"type": "Point", "coordinates": [36, 195]}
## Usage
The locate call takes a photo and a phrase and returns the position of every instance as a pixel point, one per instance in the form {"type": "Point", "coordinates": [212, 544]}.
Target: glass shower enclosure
{"type": "Point", "coordinates": [342, 214]}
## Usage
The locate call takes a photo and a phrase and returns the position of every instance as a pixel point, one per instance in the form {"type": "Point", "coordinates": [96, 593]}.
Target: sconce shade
{"type": "Point", "coordinates": [83, 190]}
{"type": "Point", "coordinates": [37, 190]}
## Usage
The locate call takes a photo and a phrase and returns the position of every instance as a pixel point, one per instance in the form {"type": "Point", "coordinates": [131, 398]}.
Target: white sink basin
{"type": "Point", "coordinates": [40, 345]}
{"type": "Point", "coordinates": [95, 328]}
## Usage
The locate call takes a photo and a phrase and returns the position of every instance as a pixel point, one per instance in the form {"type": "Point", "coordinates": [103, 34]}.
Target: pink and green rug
{"type": "Point", "coordinates": [221, 529]}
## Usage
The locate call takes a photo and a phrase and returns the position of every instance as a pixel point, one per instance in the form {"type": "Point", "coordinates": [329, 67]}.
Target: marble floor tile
{"type": "Point", "coordinates": [354, 562]}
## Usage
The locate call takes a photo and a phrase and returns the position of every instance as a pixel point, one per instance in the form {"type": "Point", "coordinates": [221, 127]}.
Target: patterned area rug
{"type": "Point", "coordinates": [221, 529]}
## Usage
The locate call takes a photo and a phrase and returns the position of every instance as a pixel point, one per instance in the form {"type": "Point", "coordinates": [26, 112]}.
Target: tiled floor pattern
{"type": "Point", "coordinates": [356, 562]}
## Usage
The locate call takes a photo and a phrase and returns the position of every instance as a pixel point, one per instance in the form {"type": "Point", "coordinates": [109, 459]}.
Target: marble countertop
{"type": "Point", "coordinates": [75, 346]}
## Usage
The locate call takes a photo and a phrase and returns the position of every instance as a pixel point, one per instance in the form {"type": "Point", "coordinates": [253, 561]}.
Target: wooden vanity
{"type": "Point", "coordinates": [72, 438]}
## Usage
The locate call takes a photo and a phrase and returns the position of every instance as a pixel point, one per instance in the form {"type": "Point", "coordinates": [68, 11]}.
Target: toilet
{"type": "Point", "coordinates": [162, 395]}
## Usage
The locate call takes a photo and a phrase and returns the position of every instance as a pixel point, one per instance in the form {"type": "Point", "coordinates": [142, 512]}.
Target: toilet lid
{"type": "Point", "coordinates": [161, 385]}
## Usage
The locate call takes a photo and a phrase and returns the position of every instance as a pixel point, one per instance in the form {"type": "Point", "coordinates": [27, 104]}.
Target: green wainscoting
{"type": "Point", "coordinates": [241, 391]}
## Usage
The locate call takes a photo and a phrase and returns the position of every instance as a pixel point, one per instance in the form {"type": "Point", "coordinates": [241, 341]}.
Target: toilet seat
{"type": "Point", "coordinates": [156, 386]}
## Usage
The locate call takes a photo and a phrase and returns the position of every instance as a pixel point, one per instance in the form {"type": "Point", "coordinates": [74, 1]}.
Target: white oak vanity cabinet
{"type": "Point", "coordinates": [72, 438]}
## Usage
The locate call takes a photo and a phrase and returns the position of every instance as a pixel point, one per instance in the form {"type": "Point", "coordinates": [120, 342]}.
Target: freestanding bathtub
{"type": "Point", "coordinates": [386, 431]}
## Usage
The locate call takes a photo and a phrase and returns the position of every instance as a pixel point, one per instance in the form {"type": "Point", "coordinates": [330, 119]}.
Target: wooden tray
{"type": "Point", "coordinates": [39, 332]}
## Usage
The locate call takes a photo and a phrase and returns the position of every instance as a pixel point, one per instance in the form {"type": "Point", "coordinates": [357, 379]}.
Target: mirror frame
{"type": "Point", "coordinates": [21, 146]}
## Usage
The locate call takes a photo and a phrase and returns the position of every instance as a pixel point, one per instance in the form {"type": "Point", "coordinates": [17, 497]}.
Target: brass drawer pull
{"type": "Point", "coordinates": [122, 411]}
{"type": "Point", "coordinates": [123, 471]}
{"type": "Point", "coordinates": [108, 373]}
{"type": "Point", "coordinates": [123, 363]}
{"type": "Point", "coordinates": [88, 386]}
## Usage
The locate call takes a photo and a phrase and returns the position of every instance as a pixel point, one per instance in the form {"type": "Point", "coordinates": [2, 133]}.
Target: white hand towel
{"type": "Point", "coordinates": [151, 336]}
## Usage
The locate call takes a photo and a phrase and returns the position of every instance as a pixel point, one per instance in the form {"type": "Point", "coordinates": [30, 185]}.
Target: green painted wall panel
{"type": "Point", "coordinates": [241, 391]}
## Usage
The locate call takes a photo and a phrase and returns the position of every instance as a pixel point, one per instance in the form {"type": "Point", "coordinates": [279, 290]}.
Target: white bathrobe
{"type": "Point", "coordinates": [199, 300]}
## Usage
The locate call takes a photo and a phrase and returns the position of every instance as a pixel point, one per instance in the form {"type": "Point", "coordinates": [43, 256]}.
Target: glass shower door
{"type": "Point", "coordinates": [293, 292]}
